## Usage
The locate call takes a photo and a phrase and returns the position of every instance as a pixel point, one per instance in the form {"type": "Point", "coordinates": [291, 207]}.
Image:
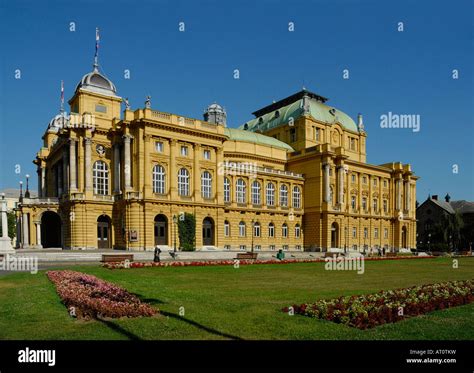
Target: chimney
{"type": "Point", "coordinates": [435, 197]}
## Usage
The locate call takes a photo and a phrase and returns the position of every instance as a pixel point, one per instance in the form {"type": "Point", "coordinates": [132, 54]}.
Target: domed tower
{"type": "Point", "coordinates": [96, 97]}
{"type": "Point", "coordinates": [216, 114]}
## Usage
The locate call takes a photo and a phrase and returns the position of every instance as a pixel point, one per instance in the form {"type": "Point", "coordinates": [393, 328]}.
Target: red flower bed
{"type": "Point", "coordinates": [86, 296]}
{"type": "Point", "coordinates": [202, 263]}
{"type": "Point", "coordinates": [367, 311]}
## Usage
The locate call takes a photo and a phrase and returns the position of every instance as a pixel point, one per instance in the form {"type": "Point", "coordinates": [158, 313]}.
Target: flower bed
{"type": "Point", "coordinates": [202, 263]}
{"type": "Point", "coordinates": [367, 311]}
{"type": "Point", "coordinates": [87, 296]}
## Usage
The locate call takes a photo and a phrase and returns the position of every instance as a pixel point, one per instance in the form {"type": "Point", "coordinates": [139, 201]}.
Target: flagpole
{"type": "Point", "coordinates": [96, 57]}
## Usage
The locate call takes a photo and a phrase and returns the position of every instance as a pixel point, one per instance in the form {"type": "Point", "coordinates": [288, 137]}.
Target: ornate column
{"type": "Point", "coordinates": [5, 242]}
{"type": "Point", "coordinates": [127, 162]}
{"type": "Point", "coordinates": [65, 166]}
{"type": "Point", "coordinates": [407, 194]}
{"type": "Point", "coordinates": [398, 194]}
{"type": "Point", "coordinates": [25, 230]}
{"type": "Point", "coordinates": [173, 177]}
{"type": "Point", "coordinates": [116, 167]}
{"type": "Point", "coordinates": [38, 235]}
{"type": "Point", "coordinates": [88, 164]}
{"type": "Point", "coordinates": [326, 182]}
{"type": "Point", "coordinates": [220, 177]}
{"type": "Point", "coordinates": [147, 169]}
{"type": "Point", "coordinates": [340, 181]}
{"type": "Point", "coordinates": [72, 166]}
{"type": "Point", "coordinates": [197, 173]}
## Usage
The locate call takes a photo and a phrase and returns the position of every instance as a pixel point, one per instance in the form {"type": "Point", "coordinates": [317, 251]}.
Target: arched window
{"type": "Point", "coordinates": [226, 189]}
{"type": "Point", "coordinates": [284, 196]}
{"type": "Point", "coordinates": [270, 194]}
{"type": "Point", "coordinates": [256, 229]}
{"type": "Point", "coordinates": [271, 230]}
{"type": "Point", "coordinates": [206, 184]}
{"type": "Point", "coordinates": [296, 197]}
{"type": "Point", "coordinates": [183, 182]}
{"type": "Point", "coordinates": [158, 179]}
{"type": "Point", "coordinates": [256, 193]}
{"type": "Point", "coordinates": [297, 231]}
{"type": "Point", "coordinates": [284, 230]}
{"type": "Point", "coordinates": [226, 229]}
{"type": "Point", "coordinates": [240, 191]}
{"type": "Point", "coordinates": [100, 178]}
{"type": "Point", "coordinates": [242, 229]}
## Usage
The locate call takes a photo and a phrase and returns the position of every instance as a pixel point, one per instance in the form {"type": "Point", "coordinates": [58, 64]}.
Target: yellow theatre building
{"type": "Point", "coordinates": [294, 178]}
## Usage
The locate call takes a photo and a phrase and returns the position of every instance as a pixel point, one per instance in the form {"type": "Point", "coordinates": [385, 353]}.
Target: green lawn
{"type": "Point", "coordinates": [223, 302]}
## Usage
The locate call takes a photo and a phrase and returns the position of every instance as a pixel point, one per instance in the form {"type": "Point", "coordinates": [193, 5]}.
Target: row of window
{"type": "Point", "coordinates": [101, 186]}
{"type": "Point", "coordinates": [257, 230]}
{"type": "Point", "coordinates": [366, 232]}
{"type": "Point", "coordinates": [259, 247]}
{"type": "Point", "coordinates": [184, 150]}
{"type": "Point", "coordinates": [256, 195]}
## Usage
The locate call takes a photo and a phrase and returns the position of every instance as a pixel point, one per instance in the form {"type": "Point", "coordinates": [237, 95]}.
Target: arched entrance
{"type": "Point", "coordinates": [104, 232]}
{"type": "Point", "coordinates": [334, 235]}
{"type": "Point", "coordinates": [161, 230]}
{"type": "Point", "coordinates": [50, 229]}
{"type": "Point", "coordinates": [404, 238]}
{"type": "Point", "coordinates": [208, 232]}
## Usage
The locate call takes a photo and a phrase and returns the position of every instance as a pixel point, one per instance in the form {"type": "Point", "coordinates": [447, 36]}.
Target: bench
{"type": "Point", "coordinates": [111, 258]}
{"type": "Point", "coordinates": [247, 256]}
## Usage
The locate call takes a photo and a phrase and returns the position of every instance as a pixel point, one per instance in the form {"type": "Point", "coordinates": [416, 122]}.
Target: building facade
{"type": "Point", "coordinates": [293, 178]}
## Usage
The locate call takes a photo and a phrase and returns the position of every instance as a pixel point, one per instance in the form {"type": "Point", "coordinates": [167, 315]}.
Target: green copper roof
{"type": "Point", "coordinates": [256, 138]}
{"type": "Point", "coordinates": [317, 110]}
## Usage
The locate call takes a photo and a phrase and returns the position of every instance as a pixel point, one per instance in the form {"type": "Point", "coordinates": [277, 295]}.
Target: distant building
{"type": "Point", "coordinates": [432, 211]}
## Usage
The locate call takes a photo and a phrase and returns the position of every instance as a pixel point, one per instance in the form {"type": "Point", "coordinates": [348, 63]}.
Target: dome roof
{"type": "Point", "coordinates": [96, 82]}
{"type": "Point", "coordinates": [215, 107]}
{"type": "Point", "coordinates": [59, 121]}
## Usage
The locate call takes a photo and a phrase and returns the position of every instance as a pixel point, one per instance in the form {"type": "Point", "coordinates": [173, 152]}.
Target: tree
{"type": "Point", "coordinates": [448, 230]}
{"type": "Point", "coordinates": [187, 232]}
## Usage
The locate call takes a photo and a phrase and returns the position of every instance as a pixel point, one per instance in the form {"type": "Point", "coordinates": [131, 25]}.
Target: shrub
{"type": "Point", "coordinates": [187, 232]}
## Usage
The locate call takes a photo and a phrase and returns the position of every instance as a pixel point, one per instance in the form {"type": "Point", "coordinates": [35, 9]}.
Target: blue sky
{"type": "Point", "coordinates": [407, 72]}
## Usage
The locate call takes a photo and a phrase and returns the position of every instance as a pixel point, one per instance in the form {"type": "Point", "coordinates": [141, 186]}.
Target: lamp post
{"type": "Point", "coordinates": [175, 223]}
{"type": "Point", "coordinates": [27, 192]}
{"type": "Point", "coordinates": [253, 232]}
{"type": "Point", "coordinates": [21, 191]}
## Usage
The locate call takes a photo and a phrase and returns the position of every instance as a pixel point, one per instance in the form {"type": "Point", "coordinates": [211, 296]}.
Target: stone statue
{"type": "Point", "coordinates": [127, 104]}
{"type": "Point", "coordinates": [148, 102]}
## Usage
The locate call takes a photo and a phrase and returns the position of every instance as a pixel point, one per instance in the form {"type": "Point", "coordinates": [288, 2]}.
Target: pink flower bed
{"type": "Point", "coordinates": [87, 296]}
{"type": "Point", "coordinates": [386, 306]}
{"type": "Point", "coordinates": [202, 263]}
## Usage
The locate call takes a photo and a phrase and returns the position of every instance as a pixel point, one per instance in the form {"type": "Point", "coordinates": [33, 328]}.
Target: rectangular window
{"type": "Point", "coordinates": [385, 183]}
{"type": "Point", "coordinates": [375, 205]}
{"type": "Point", "coordinates": [353, 202]}
{"type": "Point", "coordinates": [258, 247]}
{"type": "Point", "coordinates": [271, 230]}
{"type": "Point", "coordinates": [243, 247]}
{"type": "Point", "coordinates": [227, 247]}
{"type": "Point", "coordinates": [184, 151]}
{"type": "Point", "coordinates": [298, 247]}
{"type": "Point", "coordinates": [207, 155]}
{"type": "Point", "coordinates": [375, 182]}
{"type": "Point", "coordinates": [285, 247]}
{"type": "Point", "coordinates": [226, 229]}
{"type": "Point", "coordinates": [272, 247]}
{"type": "Point", "coordinates": [159, 146]}
{"type": "Point", "coordinates": [256, 230]}
{"type": "Point", "coordinates": [353, 178]}
{"type": "Point", "coordinates": [385, 233]}
{"type": "Point", "coordinates": [101, 108]}
{"type": "Point", "coordinates": [376, 232]}
{"type": "Point", "coordinates": [226, 190]}
{"type": "Point", "coordinates": [317, 134]}
{"type": "Point", "coordinates": [297, 231]}
{"type": "Point", "coordinates": [292, 134]}
{"type": "Point", "coordinates": [354, 232]}
{"type": "Point", "coordinates": [366, 233]}
{"type": "Point", "coordinates": [364, 179]}
{"type": "Point", "coordinates": [385, 205]}
{"type": "Point", "coordinates": [364, 204]}
{"type": "Point", "coordinates": [352, 144]}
